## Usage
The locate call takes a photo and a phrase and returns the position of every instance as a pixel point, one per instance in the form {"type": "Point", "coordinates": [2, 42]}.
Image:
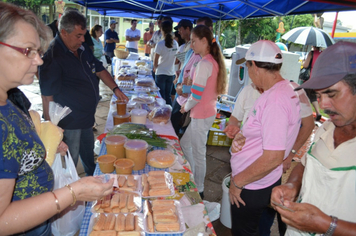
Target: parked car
{"type": "Point", "coordinates": [227, 52]}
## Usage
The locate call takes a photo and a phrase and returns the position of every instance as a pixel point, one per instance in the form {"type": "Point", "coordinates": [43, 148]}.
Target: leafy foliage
{"type": "Point", "coordinates": [33, 5]}
{"type": "Point", "coordinates": [255, 29]}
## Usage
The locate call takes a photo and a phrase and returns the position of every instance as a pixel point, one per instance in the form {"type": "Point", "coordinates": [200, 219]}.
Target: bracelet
{"type": "Point", "coordinates": [57, 203]}
{"type": "Point", "coordinates": [293, 151]}
{"type": "Point", "coordinates": [332, 226]}
{"type": "Point", "coordinates": [115, 89]}
{"type": "Point", "coordinates": [73, 194]}
{"type": "Point", "coordinates": [236, 185]}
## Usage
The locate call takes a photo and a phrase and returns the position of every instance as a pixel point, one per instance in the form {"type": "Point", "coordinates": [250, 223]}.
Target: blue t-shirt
{"type": "Point", "coordinates": [23, 154]}
{"type": "Point", "coordinates": [72, 82]}
{"type": "Point", "coordinates": [109, 47]}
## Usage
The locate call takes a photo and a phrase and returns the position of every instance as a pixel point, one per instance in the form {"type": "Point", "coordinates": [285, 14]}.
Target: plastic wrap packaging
{"type": "Point", "coordinates": [160, 114]}
{"type": "Point", "coordinates": [118, 202]}
{"type": "Point", "coordinates": [161, 158]}
{"type": "Point", "coordinates": [48, 131]}
{"type": "Point", "coordinates": [145, 82]}
{"type": "Point", "coordinates": [142, 98]}
{"type": "Point", "coordinates": [126, 224]}
{"type": "Point", "coordinates": [163, 216]}
{"type": "Point", "coordinates": [157, 184]}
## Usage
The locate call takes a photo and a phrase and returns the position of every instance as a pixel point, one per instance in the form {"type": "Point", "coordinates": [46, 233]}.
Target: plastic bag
{"type": "Point", "coordinates": [57, 112]}
{"type": "Point", "coordinates": [68, 222]}
{"type": "Point", "coordinates": [104, 61]}
{"type": "Point", "coordinates": [160, 114]}
{"type": "Point", "coordinates": [213, 210]}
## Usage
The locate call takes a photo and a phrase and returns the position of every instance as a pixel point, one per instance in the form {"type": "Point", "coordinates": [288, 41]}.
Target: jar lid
{"type": "Point", "coordinates": [136, 144]}
{"type": "Point", "coordinates": [106, 159]}
{"type": "Point", "coordinates": [138, 112]}
{"type": "Point", "coordinates": [127, 115]}
{"type": "Point", "coordinates": [124, 163]}
{"type": "Point", "coordinates": [115, 139]}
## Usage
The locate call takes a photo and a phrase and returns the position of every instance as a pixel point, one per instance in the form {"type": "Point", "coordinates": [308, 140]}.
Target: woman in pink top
{"type": "Point", "coordinates": [209, 80]}
{"type": "Point", "coordinates": [270, 131]}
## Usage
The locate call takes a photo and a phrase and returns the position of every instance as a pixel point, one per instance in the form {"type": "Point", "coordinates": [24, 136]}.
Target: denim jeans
{"type": "Point", "coordinates": [81, 142]}
{"type": "Point", "coordinates": [132, 50]}
{"type": "Point", "coordinates": [110, 54]}
{"type": "Point", "coordinates": [176, 116]}
{"type": "Point", "coordinates": [165, 83]}
{"type": "Point", "coordinates": [43, 229]}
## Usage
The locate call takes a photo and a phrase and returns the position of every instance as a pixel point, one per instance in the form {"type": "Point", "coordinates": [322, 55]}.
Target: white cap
{"type": "Point", "coordinates": [113, 22]}
{"type": "Point", "coordinates": [264, 51]}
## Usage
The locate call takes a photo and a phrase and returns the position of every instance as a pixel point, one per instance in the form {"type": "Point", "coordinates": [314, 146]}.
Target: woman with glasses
{"type": "Point", "coordinates": [27, 199]}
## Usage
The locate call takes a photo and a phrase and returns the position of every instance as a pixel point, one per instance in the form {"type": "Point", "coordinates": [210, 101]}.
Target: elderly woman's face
{"type": "Point", "coordinates": [15, 67]}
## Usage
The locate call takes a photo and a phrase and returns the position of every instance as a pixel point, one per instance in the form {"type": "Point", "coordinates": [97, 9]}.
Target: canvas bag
{"type": "Point", "coordinates": [304, 74]}
{"type": "Point", "coordinates": [68, 222]}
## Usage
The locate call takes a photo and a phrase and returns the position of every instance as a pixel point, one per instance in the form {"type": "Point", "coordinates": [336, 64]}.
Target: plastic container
{"type": "Point", "coordinates": [120, 119]}
{"type": "Point", "coordinates": [138, 116]}
{"type": "Point", "coordinates": [106, 163]}
{"type": "Point", "coordinates": [124, 166]}
{"type": "Point", "coordinates": [121, 107]}
{"type": "Point", "coordinates": [136, 150]}
{"type": "Point", "coordinates": [225, 216]}
{"type": "Point", "coordinates": [115, 145]}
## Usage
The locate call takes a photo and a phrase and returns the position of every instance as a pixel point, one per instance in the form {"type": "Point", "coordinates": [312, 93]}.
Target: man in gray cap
{"type": "Point", "coordinates": [326, 178]}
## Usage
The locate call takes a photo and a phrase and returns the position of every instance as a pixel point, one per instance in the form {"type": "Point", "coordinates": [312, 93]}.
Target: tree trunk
{"type": "Point", "coordinates": [238, 35]}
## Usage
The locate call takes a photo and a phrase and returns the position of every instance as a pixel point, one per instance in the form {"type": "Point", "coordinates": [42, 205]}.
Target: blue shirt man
{"type": "Point", "coordinates": [111, 38]}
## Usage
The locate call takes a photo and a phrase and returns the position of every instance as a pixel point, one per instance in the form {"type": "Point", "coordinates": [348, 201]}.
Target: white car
{"type": "Point", "coordinates": [228, 52]}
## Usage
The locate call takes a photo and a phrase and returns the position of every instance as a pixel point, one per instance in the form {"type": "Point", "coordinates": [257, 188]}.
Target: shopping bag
{"type": "Point", "coordinates": [104, 61]}
{"type": "Point", "coordinates": [68, 222]}
{"type": "Point", "coordinates": [304, 75]}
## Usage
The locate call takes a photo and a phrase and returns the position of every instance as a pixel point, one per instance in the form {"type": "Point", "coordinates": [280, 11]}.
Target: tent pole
{"type": "Point", "coordinates": [86, 9]}
{"type": "Point", "coordinates": [334, 25]}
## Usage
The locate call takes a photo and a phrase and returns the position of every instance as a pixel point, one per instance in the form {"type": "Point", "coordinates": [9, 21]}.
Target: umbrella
{"type": "Point", "coordinates": [309, 36]}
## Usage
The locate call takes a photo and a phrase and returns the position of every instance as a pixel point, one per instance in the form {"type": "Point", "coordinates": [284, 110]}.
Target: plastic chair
{"type": "Point", "coordinates": [226, 103]}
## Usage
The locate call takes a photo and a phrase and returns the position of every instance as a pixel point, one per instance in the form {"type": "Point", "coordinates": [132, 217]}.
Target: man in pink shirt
{"type": "Point", "coordinates": [270, 131]}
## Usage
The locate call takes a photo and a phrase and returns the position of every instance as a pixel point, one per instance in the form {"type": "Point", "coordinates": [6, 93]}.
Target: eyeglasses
{"type": "Point", "coordinates": [28, 52]}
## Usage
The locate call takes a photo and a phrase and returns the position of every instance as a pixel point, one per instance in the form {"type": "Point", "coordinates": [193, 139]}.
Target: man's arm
{"type": "Point", "coordinates": [304, 133]}
{"type": "Point", "coordinates": [233, 127]}
{"type": "Point", "coordinates": [109, 81]}
{"type": "Point", "coordinates": [45, 106]}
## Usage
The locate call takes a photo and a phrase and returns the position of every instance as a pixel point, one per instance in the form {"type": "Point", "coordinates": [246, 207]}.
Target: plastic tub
{"type": "Point", "coordinates": [115, 145]}
{"type": "Point", "coordinates": [120, 119]}
{"type": "Point", "coordinates": [225, 216]}
{"type": "Point", "coordinates": [121, 107]}
{"type": "Point", "coordinates": [136, 150]}
{"type": "Point", "coordinates": [124, 166]}
{"type": "Point", "coordinates": [138, 116]}
{"type": "Point", "coordinates": [106, 163]}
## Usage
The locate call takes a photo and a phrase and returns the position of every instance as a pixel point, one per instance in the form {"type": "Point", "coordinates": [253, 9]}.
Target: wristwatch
{"type": "Point", "coordinates": [332, 226]}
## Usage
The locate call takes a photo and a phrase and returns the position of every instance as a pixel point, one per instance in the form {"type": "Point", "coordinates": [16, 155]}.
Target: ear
{"type": "Point", "coordinates": [64, 33]}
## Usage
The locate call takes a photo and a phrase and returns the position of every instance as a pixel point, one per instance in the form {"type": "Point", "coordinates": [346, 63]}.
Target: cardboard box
{"type": "Point", "coordinates": [218, 138]}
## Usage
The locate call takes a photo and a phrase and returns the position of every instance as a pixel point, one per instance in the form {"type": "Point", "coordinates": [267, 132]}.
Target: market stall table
{"type": "Point", "coordinates": [193, 209]}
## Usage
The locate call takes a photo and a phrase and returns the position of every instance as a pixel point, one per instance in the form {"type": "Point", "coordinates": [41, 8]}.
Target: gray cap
{"type": "Point", "coordinates": [333, 64]}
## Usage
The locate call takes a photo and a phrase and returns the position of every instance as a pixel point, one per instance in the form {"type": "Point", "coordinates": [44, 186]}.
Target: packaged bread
{"type": "Point", "coordinates": [117, 224]}
{"type": "Point", "coordinates": [140, 63]}
{"type": "Point", "coordinates": [157, 184]}
{"type": "Point", "coordinates": [163, 216]}
{"type": "Point", "coordinates": [145, 82]}
{"type": "Point", "coordinates": [160, 114]}
{"type": "Point", "coordinates": [161, 158]}
{"type": "Point", "coordinates": [131, 183]}
{"type": "Point", "coordinates": [118, 202]}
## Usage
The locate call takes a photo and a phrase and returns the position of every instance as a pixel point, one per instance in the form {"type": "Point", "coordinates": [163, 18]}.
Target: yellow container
{"type": "Point", "coordinates": [106, 163]}
{"type": "Point", "coordinates": [124, 166]}
{"type": "Point", "coordinates": [136, 150]}
{"type": "Point", "coordinates": [115, 145]}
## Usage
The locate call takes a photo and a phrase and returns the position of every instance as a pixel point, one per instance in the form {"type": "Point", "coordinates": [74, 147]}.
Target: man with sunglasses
{"type": "Point", "coordinates": [69, 76]}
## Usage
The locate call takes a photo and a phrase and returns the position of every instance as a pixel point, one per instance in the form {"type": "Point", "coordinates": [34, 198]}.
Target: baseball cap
{"type": "Point", "coordinates": [263, 51]}
{"type": "Point", "coordinates": [333, 64]}
{"type": "Point", "coordinates": [185, 23]}
{"type": "Point", "coordinates": [113, 22]}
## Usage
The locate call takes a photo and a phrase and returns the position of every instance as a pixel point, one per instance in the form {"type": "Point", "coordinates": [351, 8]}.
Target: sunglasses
{"type": "Point", "coordinates": [28, 52]}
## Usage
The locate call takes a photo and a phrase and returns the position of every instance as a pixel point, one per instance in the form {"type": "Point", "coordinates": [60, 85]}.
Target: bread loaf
{"type": "Point", "coordinates": [120, 222]}
{"type": "Point", "coordinates": [100, 221]}
{"type": "Point", "coordinates": [167, 227]}
{"type": "Point", "coordinates": [109, 222]}
{"type": "Point", "coordinates": [164, 218]}
{"type": "Point", "coordinates": [130, 222]}
{"type": "Point", "coordinates": [161, 158]}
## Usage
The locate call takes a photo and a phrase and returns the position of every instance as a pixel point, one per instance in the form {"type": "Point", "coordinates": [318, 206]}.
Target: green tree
{"type": "Point", "coordinates": [255, 29]}
{"type": "Point", "coordinates": [33, 5]}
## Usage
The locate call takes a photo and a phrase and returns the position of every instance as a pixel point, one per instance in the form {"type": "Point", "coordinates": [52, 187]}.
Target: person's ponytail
{"type": "Point", "coordinates": [166, 28]}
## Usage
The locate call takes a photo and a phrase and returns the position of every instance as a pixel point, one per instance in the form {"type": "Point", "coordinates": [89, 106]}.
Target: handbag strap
{"type": "Point", "coordinates": [311, 60]}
